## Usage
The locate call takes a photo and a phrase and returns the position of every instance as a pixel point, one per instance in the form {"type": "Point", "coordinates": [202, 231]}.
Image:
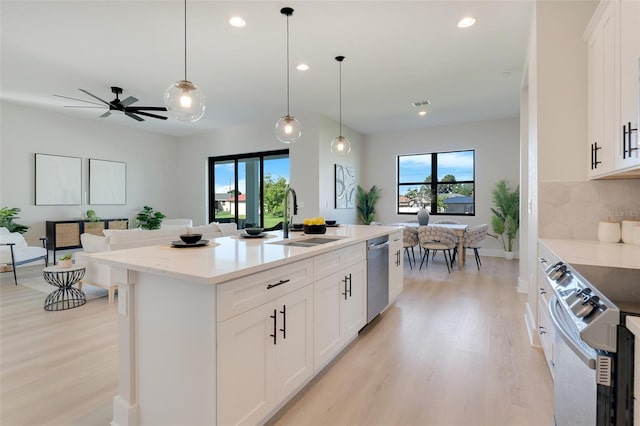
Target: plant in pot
{"type": "Point", "coordinates": [149, 218]}
{"type": "Point", "coordinates": [506, 216]}
{"type": "Point", "coordinates": [366, 204]}
{"type": "Point", "coordinates": [91, 216]}
{"type": "Point", "coordinates": [65, 261]}
{"type": "Point", "coordinates": [7, 217]}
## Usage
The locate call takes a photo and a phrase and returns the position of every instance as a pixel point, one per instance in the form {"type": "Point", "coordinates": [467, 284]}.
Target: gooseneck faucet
{"type": "Point", "coordinates": [285, 223]}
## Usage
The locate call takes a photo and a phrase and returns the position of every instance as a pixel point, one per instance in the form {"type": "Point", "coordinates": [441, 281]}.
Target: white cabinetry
{"type": "Point", "coordinates": [396, 265]}
{"type": "Point", "coordinates": [265, 352]}
{"type": "Point", "coordinates": [613, 70]}
{"type": "Point", "coordinates": [546, 330]}
{"type": "Point", "coordinates": [340, 302]}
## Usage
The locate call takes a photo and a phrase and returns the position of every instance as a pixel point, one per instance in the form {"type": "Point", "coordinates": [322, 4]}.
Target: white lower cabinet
{"type": "Point", "coordinates": [340, 309]}
{"type": "Point", "coordinates": [264, 354]}
{"type": "Point", "coordinates": [396, 265]}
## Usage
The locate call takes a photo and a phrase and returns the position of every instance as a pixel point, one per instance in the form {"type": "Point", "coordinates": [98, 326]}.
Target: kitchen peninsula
{"type": "Point", "coordinates": [229, 332]}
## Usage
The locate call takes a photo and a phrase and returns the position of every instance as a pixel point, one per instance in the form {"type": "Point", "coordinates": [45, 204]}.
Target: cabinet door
{"type": "Point", "coordinates": [396, 266]}
{"type": "Point", "coordinates": [327, 336]}
{"type": "Point", "coordinates": [294, 348]}
{"type": "Point", "coordinates": [601, 91]}
{"type": "Point", "coordinates": [629, 74]}
{"type": "Point", "coordinates": [547, 333]}
{"type": "Point", "coordinates": [353, 309]}
{"type": "Point", "coordinates": [246, 373]}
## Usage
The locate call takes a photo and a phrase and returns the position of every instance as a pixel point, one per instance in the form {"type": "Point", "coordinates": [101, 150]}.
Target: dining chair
{"type": "Point", "coordinates": [409, 241]}
{"type": "Point", "coordinates": [437, 238]}
{"type": "Point", "coordinates": [446, 222]}
{"type": "Point", "coordinates": [472, 238]}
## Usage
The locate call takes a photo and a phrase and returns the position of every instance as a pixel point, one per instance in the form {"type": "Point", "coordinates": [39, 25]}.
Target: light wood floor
{"type": "Point", "coordinates": [453, 350]}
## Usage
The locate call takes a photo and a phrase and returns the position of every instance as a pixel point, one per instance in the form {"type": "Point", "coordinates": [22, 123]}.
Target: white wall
{"type": "Point", "coordinates": [150, 158]}
{"type": "Point", "coordinates": [497, 154]}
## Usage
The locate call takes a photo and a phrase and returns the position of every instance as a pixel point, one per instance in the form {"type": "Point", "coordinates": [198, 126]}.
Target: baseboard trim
{"type": "Point", "coordinates": [523, 286]}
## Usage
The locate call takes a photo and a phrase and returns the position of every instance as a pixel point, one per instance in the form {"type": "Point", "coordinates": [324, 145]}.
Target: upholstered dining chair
{"type": "Point", "coordinates": [15, 251]}
{"type": "Point", "coordinates": [437, 238]}
{"type": "Point", "coordinates": [409, 241]}
{"type": "Point", "coordinates": [472, 238]}
{"type": "Point", "coordinates": [446, 222]}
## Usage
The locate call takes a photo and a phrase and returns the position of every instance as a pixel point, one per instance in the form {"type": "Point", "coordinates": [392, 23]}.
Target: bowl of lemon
{"type": "Point", "coordinates": [314, 225]}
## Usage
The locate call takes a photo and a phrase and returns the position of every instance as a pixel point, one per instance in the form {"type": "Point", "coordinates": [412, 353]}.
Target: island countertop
{"type": "Point", "coordinates": [587, 252]}
{"type": "Point", "coordinates": [227, 258]}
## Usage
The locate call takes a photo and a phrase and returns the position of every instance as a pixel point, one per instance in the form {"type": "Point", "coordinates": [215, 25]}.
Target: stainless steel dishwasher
{"type": "Point", "coordinates": [377, 276]}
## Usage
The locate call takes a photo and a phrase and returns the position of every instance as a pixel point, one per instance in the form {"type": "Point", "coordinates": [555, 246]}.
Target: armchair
{"type": "Point", "coordinates": [14, 251]}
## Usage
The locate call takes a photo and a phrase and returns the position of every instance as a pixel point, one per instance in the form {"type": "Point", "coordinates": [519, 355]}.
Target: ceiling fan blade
{"type": "Point", "coordinates": [146, 114]}
{"type": "Point", "coordinates": [106, 114]}
{"type": "Point", "coordinates": [128, 101]}
{"type": "Point", "coordinates": [94, 96]}
{"type": "Point", "coordinates": [76, 99]}
{"type": "Point", "coordinates": [82, 106]}
{"type": "Point", "coordinates": [135, 117]}
{"type": "Point", "coordinates": [138, 108]}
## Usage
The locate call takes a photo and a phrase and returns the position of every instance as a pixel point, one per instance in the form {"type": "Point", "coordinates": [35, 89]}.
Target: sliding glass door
{"type": "Point", "coordinates": [248, 189]}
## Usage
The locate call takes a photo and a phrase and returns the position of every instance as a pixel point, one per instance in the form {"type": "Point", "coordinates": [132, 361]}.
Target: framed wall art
{"type": "Point", "coordinates": [345, 186]}
{"type": "Point", "coordinates": [107, 182]}
{"type": "Point", "coordinates": [58, 180]}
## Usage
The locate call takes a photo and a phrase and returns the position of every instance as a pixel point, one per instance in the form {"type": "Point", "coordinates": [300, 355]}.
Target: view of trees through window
{"type": "Point", "coordinates": [442, 183]}
{"type": "Point", "coordinates": [248, 189]}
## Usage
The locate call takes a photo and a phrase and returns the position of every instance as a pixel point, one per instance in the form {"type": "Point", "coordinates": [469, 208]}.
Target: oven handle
{"type": "Point", "coordinates": [558, 324]}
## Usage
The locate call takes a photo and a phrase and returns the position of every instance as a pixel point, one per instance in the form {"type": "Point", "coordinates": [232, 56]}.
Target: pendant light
{"type": "Point", "coordinates": [183, 99]}
{"type": "Point", "coordinates": [340, 145]}
{"type": "Point", "coordinates": [288, 129]}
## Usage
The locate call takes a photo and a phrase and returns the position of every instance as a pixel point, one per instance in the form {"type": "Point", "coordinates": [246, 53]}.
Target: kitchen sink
{"type": "Point", "coordinates": [307, 241]}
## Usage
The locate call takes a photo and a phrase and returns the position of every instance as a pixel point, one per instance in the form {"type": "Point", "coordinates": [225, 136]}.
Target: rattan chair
{"type": "Point", "coordinates": [472, 238]}
{"type": "Point", "coordinates": [409, 241]}
{"type": "Point", "coordinates": [437, 238]}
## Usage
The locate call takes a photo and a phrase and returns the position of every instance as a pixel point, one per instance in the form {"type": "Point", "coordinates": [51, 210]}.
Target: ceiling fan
{"type": "Point", "coordinates": [118, 105]}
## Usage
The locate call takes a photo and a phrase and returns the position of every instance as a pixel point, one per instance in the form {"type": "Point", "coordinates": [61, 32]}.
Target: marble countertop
{"type": "Point", "coordinates": [227, 258]}
{"type": "Point", "coordinates": [586, 252]}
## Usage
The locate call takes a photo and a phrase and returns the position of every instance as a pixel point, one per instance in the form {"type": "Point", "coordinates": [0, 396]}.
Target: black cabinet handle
{"type": "Point", "coordinates": [626, 140]}
{"type": "Point", "coordinates": [270, 286]}
{"type": "Point", "coordinates": [594, 155]}
{"type": "Point", "coordinates": [345, 288]}
{"type": "Point", "coordinates": [542, 291]}
{"type": "Point", "coordinates": [541, 330]}
{"type": "Point", "coordinates": [274, 326]}
{"type": "Point", "coordinates": [284, 321]}
{"type": "Point", "coordinates": [349, 284]}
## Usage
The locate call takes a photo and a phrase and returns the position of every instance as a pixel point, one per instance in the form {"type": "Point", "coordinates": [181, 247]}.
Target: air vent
{"type": "Point", "coordinates": [603, 370]}
{"type": "Point", "coordinates": [421, 103]}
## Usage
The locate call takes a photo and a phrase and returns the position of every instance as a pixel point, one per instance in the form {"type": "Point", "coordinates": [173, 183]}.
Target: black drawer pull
{"type": "Point", "coordinates": [275, 326]}
{"type": "Point", "coordinates": [284, 321]}
{"type": "Point", "coordinates": [270, 286]}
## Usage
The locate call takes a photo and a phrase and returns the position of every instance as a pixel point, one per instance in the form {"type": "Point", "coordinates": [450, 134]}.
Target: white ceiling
{"type": "Point", "coordinates": [396, 53]}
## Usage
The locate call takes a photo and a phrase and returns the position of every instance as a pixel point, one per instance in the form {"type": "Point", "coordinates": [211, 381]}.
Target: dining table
{"type": "Point", "coordinates": [459, 228]}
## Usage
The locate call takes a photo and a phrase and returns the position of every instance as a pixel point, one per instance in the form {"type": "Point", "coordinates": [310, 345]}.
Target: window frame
{"type": "Point", "coordinates": [434, 182]}
{"type": "Point", "coordinates": [236, 158]}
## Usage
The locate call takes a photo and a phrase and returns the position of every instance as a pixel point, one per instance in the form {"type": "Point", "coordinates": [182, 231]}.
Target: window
{"type": "Point", "coordinates": [248, 189]}
{"type": "Point", "coordinates": [441, 182]}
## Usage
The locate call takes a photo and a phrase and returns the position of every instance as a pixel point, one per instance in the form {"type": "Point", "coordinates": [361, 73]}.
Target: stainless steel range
{"type": "Point", "coordinates": [593, 366]}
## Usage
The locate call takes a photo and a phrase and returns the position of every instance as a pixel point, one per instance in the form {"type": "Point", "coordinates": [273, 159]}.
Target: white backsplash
{"type": "Point", "coordinates": [572, 210]}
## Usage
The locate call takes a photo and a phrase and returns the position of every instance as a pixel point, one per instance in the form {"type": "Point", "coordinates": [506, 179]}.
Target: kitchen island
{"type": "Point", "coordinates": [228, 333]}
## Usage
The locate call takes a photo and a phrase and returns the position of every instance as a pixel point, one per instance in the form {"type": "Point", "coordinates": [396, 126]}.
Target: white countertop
{"type": "Point", "coordinates": [233, 257]}
{"type": "Point", "coordinates": [586, 252]}
{"type": "Point", "coordinates": [633, 324]}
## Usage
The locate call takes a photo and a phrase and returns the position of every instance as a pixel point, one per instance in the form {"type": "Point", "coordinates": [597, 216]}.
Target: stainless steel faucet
{"type": "Point", "coordinates": [285, 223]}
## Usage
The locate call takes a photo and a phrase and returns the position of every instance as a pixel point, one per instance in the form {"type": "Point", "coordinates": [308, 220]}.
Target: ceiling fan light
{"type": "Point", "coordinates": [184, 101]}
{"type": "Point", "coordinates": [288, 129]}
{"type": "Point", "coordinates": [341, 146]}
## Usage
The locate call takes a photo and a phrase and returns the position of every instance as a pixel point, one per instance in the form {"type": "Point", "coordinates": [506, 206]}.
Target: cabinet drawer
{"type": "Point", "coordinates": [237, 296]}
{"type": "Point", "coordinates": [328, 263]}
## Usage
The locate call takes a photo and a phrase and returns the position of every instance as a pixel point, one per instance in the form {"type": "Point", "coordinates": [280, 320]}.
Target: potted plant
{"type": "Point", "coordinates": [7, 216]}
{"type": "Point", "coordinates": [506, 216]}
{"type": "Point", "coordinates": [367, 204]}
{"type": "Point", "coordinates": [91, 216]}
{"type": "Point", "coordinates": [65, 261]}
{"type": "Point", "coordinates": [149, 218]}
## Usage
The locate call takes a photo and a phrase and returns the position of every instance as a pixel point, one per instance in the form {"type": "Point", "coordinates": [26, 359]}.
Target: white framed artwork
{"type": "Point", "coordinates": [58, 180]}
{"type": "Point", "coordinates": [107, 182]}
{"type": "Point", "coordinates": [345, 186]}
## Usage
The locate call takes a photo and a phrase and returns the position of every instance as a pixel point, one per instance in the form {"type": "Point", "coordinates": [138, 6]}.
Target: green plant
{"type": "Point", "coordinates": [149, 219]}
{"type": "Point", "coordinates": [367, 204]}
{"type": "Point", "coordinates": [7, 216]}
{"type": "Point", "coordinates": [506, 214]}
{"type": "Point", "coordinates": [91, 216]}
{"type": "Point", "coordinates": [66, 257]}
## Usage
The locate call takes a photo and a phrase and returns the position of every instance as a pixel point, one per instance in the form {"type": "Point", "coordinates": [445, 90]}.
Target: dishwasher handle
{"type": "Point", "coordinates": [378, 246]}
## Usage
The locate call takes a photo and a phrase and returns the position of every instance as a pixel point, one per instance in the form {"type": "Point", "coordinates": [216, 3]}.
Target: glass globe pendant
{"type": "Point", "coordinates": [340, 145]}
{"type": "Point", "coordinates": [288, 130]}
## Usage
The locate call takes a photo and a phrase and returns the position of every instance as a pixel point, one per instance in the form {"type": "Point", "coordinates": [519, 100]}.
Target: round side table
{"type": "Point", "coordinates": [66, 296]}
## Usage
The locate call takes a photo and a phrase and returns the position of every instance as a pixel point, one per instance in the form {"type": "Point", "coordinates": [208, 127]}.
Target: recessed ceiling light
{"type": "Point", "coordinates": [466, 22]}
{"type": "Point", "coordinates": [237, 21]}
{"type": "Point", "coordinates": [422, 113]}
{"type": "Point", "coordinates": [302, 67]}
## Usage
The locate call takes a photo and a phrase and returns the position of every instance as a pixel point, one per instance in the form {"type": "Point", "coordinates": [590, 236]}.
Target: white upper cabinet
{"type": "Point", "coordinates": [613, 44]}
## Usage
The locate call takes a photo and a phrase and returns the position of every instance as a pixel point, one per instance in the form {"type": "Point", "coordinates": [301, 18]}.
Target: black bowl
{"type": "Point", "coordinates": [297, 226]}
{"type": "Point", "coordinates": [330, 222]}
{"type": "Point", "coordinates": [315, 229]}
{"type": "Point", "coordinates": [253, 231]}
{"type": "Point", "coordinates": [191, 238]}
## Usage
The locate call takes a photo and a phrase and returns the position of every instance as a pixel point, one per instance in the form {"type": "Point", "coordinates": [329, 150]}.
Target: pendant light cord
{"type": "Point", "coordinates": [340, 98]}
{"type": "Point", "coordinates": [185, 40]}
{"type": "Point", "coordinates": [287, 65]}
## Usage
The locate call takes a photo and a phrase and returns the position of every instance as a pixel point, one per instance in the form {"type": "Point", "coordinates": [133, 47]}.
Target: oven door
{"type": "Point", "coordinates": [575, 396]}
